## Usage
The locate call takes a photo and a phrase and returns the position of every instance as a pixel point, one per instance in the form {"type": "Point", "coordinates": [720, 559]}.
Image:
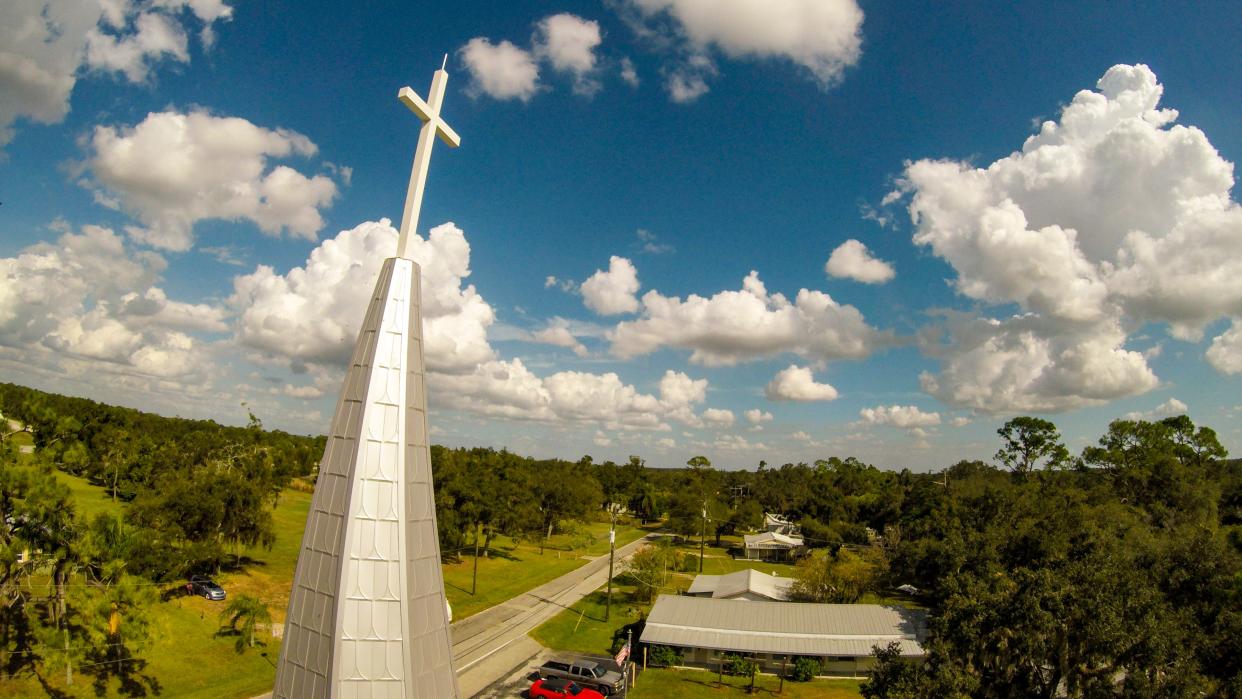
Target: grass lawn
{"type": "Point", "coordinates": [693, 684]}
{"type": "Point", "coordinates": [89, 500]}
{"type": "Point", "coordinates": [582, 629]}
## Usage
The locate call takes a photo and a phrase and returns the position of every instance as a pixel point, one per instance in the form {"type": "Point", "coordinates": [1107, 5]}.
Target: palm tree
{"type": "Point", "coordinates": [251, 612]}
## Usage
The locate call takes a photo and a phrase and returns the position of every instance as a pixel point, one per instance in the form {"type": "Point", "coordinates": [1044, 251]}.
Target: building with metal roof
{"type": "Point", "coordinates": [779, 524]}
{"type": "Point", "coordinates": [840, 636]}
{"type": "Point", "coordinates": [771, 546]}
{"type": "Point", "coordinates": [749, 584]}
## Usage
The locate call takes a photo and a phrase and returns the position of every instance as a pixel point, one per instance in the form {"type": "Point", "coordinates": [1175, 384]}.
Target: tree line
{"type": "Point", "coordinates": [1114, 572]}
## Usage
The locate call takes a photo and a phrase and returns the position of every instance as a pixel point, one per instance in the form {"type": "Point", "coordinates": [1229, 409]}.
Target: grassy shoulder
{"type": "Point", "coordinates": [676, 683]}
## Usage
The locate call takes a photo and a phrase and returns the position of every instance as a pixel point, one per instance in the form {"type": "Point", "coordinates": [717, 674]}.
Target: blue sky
{"type": "Point", "coordinates": [193, 194]}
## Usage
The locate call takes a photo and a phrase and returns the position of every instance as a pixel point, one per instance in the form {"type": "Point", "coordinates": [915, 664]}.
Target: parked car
{"type": "Point", "coordinates": [587, 673]}
{"type": "Point", "coordinates": [202, 585]}
{"type": "Point", "coordinates": [553, 688]}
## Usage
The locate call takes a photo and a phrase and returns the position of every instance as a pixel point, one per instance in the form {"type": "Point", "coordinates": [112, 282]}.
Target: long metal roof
{"type": "Point", "coordinates": [784, 628]}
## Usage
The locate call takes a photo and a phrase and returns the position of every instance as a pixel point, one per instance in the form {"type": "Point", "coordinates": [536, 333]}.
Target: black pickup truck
{"type": "Point", "coordinates": [587, 673]}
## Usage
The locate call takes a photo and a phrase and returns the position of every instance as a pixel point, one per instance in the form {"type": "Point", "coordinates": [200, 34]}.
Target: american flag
{"type": "Point", "coordinates": [624, 653]}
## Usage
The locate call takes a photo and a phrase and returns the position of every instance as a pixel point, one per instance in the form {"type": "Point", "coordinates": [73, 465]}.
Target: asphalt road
{"type": "Point", "coordinates": [489, 646]}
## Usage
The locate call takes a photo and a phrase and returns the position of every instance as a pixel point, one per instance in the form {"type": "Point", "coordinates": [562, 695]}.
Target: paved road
{"type": "Point", "coordinates": [491, 648]}
{"type": "Point", "coordinates": [490, 645]}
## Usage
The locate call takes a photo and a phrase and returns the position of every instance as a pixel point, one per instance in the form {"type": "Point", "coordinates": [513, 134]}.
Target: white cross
{"type": "Point", "coordinates": [433, 125]}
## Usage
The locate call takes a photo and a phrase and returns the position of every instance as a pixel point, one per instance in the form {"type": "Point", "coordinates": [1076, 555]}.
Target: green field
{"type": "Point", "coordinates": [696, 684]}
{"type": "Point", "coordinates": [89, 500]}
{"type": "Point", "coordinates": [185, 657]}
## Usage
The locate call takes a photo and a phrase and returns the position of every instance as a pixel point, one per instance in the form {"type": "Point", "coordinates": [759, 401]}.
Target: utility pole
{"type": "Point", "coordinates": [474, 582]}
{"type": "Point", "coordinates": [612, 550]}
{"type": "Point", "coordinates": [702, 536]}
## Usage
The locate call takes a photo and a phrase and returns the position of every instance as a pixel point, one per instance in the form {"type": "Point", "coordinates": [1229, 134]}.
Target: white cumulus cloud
{"type": "Point", "coordinates": [718, 417]}
{"type": "Point", "coordinates": [1225, 353]}
{"type": "Point", "coordinates": [560, 336]}
{"type": "Point", "coordinates": [312, 313]}
{"type": "Point", "coordinates": [904, 416]}
{"type": "Point", "coordinates": [1170, 408]}
{"type": "Point", "coordinates": [824, 37]}
{"type": "Point", "coordinates": [501, 71]}
{"type": "Point", "coordinates": [155, 36]}
{"type": "Point", "coordinates": [568, 43]}
{"type": "Point", "coordinates": [92, 298]}
{"type": "Point", "coordinates": [44, 43]}
{"type": "Point", "coordinates": [612, 292]}
{"type": "Point", "coordinates": [852, 260]}
{"type": "Point", "coordinates": [174, 169]}
{"type": "Point", "coordinates": [755, 416]}
{"type": "Point", "coordinates": [734, 326]}
{"type": "Point", "coordinates": [1109, 217]}
{"type": "Point", "coordinates": [507, 388]}
{"type": "Point", "coordinates": [1029, 364]}
{"type": "Point", "coordinates": [798, 384]}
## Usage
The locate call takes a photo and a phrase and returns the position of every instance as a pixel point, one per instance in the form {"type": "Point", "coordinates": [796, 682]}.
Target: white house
{"type": "Point", "coordinates": [770, 546]}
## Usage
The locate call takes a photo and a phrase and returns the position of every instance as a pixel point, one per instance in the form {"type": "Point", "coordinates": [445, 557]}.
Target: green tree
{"type": "Point", "coordinates": [563, 491]}
{"type": "Point", "coordinates": [1030, 442]}
{"type": "Point", "coordinates": [650, 568]}
{"type": "Point", "coordinates": [839, 578]}
{"type": "Point", "coordinates": [250, 613]}
{"type": "Point", "coordinates": [894, 677]}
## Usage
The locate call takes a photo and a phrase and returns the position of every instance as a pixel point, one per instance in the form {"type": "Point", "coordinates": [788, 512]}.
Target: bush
{"type": "Point", "coordinates": [737, 665]}
{"type": "Point", "coordinates": [635, 629]}
{"type": "Point", "coordinates": [690, 564]}
{"type": "Point", "coordinates": [663, 656]}
{"type": "Point", "coordinates": [804, 669]}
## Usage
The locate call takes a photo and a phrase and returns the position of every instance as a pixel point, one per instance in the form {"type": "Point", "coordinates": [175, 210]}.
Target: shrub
{"type": "Point", "coordinates": [663, 656]}
{"type": "Point", "coordinates": [804, 669]}
{"type": "Point", "coordinates": [737, 665]}
{"type": "Point", "coordinates": [690, 564]}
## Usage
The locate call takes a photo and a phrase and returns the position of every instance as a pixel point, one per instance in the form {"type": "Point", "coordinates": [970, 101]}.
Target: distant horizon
{"type": "Point", "coordinates": [750, 468]}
